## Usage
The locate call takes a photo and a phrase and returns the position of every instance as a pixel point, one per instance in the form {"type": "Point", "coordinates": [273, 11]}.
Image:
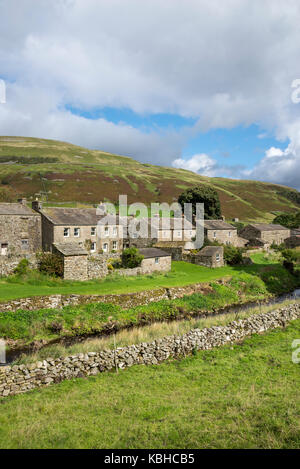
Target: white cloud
{"type": "Point", "coordinates": [225, 63]}
{"type": "Point", "coordinates": [201, 163]}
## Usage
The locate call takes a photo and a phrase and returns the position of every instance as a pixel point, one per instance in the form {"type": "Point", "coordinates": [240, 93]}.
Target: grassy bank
{"type": "Point", "coordinates": [52, 324]}
{"type": "Point", "coordinates": [240, 396]}
{"type": "Point", "coordinates": [182, 274]}
{"type": "Point", "coordinates": [137, 335]}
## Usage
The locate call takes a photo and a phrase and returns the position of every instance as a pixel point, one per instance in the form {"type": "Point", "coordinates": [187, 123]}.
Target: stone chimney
{"type": "Point", "coordinates": [22, 201]}
{"type": "Point", "coordinates": [36, 205]}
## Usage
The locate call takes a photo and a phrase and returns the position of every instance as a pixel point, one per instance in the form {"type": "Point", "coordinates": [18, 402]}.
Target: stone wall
{"type": "Point", "coordinates": [267, 237]}
{"type": "Point", "coordinates": [75, 268]}
{"type": "Point", "coordinates": [22, 378]}
{"type": "Point", "coordinates": [97, 265]}
{"type": "Point", "coordinates": [126, 300]}
{"type": "Point", "coordinates": [223, 236]}
{"type": "Point", "coordinates": [9, 263]}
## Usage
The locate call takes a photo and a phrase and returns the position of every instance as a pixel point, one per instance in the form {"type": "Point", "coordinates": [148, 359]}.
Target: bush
{"type": "Point", "coordinates": [131, 258]}
{"type": "Point", "coordinates": [51, 264]}
{"type": "Point", "coordinates": [233, 255]}
{"type": "Point", "coordinates": [22, 268]}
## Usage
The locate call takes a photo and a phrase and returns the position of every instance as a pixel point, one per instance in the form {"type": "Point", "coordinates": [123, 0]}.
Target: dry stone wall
{"type": "Point", "coordinates": [9, 263]}
{"type": "Point", "coordinates": [127, 300]}
{"type": "Point", "coordinates": [22, 378]}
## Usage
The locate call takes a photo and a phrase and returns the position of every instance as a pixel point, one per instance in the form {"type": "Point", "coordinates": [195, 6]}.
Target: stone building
{"type": "Point", "coordinates": [293, 241]}
{"type": "Point", "coordinates": [93, 232]}
{"type": "Point", "coordinates": [20, 229]}
{"type": "Point", "coordinates": [155, 260]}
{"type": "Point", "coordinates": [210, 256]}
{"type": "Point", "coordinates": [265, 234]}
{"type": "Point", "coordinates": [222, 232]}
{"type": "Point", "coordinates": [74, 259]}
{"type": "Point", "coordinates": [158, 229]}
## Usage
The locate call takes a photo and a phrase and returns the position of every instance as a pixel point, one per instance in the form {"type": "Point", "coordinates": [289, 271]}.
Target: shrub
{"type": "Point", "coordinates": [131, 258]}
{"type": "Point", "coordinates": [22, 268]}
{"type": "Point", "coordinates": [51, 264]}
{"type": "Point", "coordinates": [233, 255]}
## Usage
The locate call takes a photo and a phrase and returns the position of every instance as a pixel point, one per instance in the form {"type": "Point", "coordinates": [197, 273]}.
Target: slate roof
{"type": "Point", "coordinates": [76, 216]}
{"type": "Point", "coordinates": [268, 227]}
{"type": "Point", "coordinates": [71, 249]}
{"type": "Point", "coordinates": [15, 209]}
{"type": "Point", "coordinates": [218, 225]}
{"type": "Point", "coordinates": [148, 253]}
{"type": "Point", "coordinates": [210, 251]}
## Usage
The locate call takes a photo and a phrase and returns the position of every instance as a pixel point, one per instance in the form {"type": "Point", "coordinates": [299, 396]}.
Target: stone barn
{"type": "Point", "coordinates": [75, 260]}
{"type": "Point", "coordinates": [155, 260]}
{"type": "Point", "coordinates": [266, 234]}
{"type": "Point", "coordinates": [210, 256]}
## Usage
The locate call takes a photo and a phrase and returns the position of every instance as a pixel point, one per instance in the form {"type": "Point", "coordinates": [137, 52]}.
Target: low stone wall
{"type": "Point", "coordinates": [97, 265]}
{"type": "Point", "coordinates": [127, 300]}
{"type": "Point", "coordinates": [9, 263]}
{"type": "Point", "coordinates": [21, 378]}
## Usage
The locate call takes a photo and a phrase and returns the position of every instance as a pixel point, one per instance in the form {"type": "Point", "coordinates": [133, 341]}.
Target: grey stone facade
{"type": "Point", "coordinates": [22, 378]}
{"type": "Point", "coordinates": [210, 256]}
{"type": "Point", "coordinates": [20, 230]}
{"type": "Point", "coordinates": [265, 234]}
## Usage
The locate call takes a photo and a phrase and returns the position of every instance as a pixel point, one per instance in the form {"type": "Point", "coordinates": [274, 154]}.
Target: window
{"type": "Point", "coordinates": [115, 245]}
{"type": "Point", "coordinates": [229, 234]}
{"type": "Point", "coordinates": [25, 244]}
{"type": "Point", "coordinates": [179, 234]}
{"type": "Point", "coordinates": [66, 232]}
{"type": "Point", "coordinates": [215, 234]}
{"type": "Point", "coordinates": [157, 260]}
{"type": "Point", "coordinates": [105, 247]}
{"type": "Point", "coordinates": [4, 249]}
{"type": "Point", "coordinates": [77, 232]}
{"type": "Point", "coordinates": [106, 231]}
{"type": "Point", "coordinates": [115, 231]}
{"type": "Point", "coordinates": [93, 247]}
{"type": "Point", "coordinates": [191, 233]}
{"type": "Point", "coordinates": [218, 257]}
{"type": "Point", "coordinates": [93, 231]}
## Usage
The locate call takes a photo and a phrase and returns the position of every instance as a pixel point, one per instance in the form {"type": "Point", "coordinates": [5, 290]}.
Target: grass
{"type": "Point", "coordinates": [240, 396]}
{"type": "Point", "coordinates": [27, 326]}
{"type": "Point", "coordinates": [148, 333]}
{"type": "Point", "coordinates": [182, 274]}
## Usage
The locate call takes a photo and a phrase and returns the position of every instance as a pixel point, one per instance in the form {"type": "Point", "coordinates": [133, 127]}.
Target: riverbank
{"type": "Point", "coordinates": [31, 330]}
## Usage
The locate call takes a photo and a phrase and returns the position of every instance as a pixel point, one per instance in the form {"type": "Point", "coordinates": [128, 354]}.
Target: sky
{"type": "Point", "coordinates": [210, 86]}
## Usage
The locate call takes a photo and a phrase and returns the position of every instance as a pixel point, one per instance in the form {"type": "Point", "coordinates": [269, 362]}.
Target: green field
{"type": "Point", "coordinates": [66, 174]}
{"type": "Point", "coordinates": [241, 396]}
{"type": "Point", "coordinates": [182, 274]}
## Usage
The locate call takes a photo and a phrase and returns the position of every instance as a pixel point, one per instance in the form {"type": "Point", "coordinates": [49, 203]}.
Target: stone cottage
{"type": "Point", "coordinates": [160, 229]}
{"type": "Point", "coordinates": [265, 234]}
{"type": "Point", "coordinates": [155, 260]}
{"type": "Point", "coordinates": [20, 229]}
{"type": "Point", "coordinates": [210, 256]}
{"type": "Point", "coordinates": [222, 232]}
{"type": "Point", "coordinates": [92, 232]}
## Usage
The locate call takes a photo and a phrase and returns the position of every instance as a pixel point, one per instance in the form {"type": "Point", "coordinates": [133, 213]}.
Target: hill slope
{"type": "Point", "coordinates": [66, 173]}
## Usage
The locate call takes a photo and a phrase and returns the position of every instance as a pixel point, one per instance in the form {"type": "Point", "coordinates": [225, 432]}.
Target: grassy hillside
{"type": "Point", "coordinates": [69, 174]}
{"type": "Point", "coordinates": [240, 396]}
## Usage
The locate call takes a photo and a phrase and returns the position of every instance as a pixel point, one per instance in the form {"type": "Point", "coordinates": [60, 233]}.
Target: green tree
{"type": "Point", "coordinates": [202, 194]}
{"type": "Point", "coordinates": [289, 220]}
{"type": "Point", "coordinates": [131, 258]}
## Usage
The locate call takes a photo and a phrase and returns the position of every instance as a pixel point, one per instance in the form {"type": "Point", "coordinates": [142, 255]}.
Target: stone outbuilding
{"type": "Point", "coordinates": [210, 256]}
{"type": "Point", "coordinates": [20, 229]}
{"type": "Point", "coordinates": [155, 260]}
{"type": "Point", "coordinates": [74, 259]}
{"type": "Point", "coordinates": [265, 234]}
{"type": "Point", "coordinates": [294, 240]}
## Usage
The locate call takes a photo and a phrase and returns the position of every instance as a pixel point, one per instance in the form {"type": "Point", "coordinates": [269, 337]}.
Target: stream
{"type": "Point", "coordinates": [13, 354]}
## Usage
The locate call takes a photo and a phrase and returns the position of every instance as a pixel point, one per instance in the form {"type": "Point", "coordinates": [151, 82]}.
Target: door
{"type": "Point", "coordinates": [4, 249]}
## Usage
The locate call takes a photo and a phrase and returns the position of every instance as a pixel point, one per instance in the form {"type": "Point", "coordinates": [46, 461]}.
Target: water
{"type": "Point", "coordinates": [13, 355]}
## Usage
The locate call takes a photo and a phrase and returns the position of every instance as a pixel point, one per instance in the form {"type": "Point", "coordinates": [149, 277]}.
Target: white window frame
{"type": "Point", "coordinates": [218, 257]}
{"type": "Point", "coordinates": [105, 249]}
{"type": "Point", "coordinates": [214, 234]}
{"type": "Point", "coordinates": [93, 231]}
{"type": "Point", "coordinates": [106, 231]}
{"type": "Point", "coordinates": [93, 246]}
{"type": "Point", "coordinates": [115, 231]}
{"type": "Point", "coordinates": [67, 230]}
{"type": "Point", "coordinates": [25, 244]}
{"type": "Point", "coordinates": [156, 260]}
{"type": "Point", "coordinates": [115, 245]}
{"type": "Point", "coordinates": [77, 230]}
